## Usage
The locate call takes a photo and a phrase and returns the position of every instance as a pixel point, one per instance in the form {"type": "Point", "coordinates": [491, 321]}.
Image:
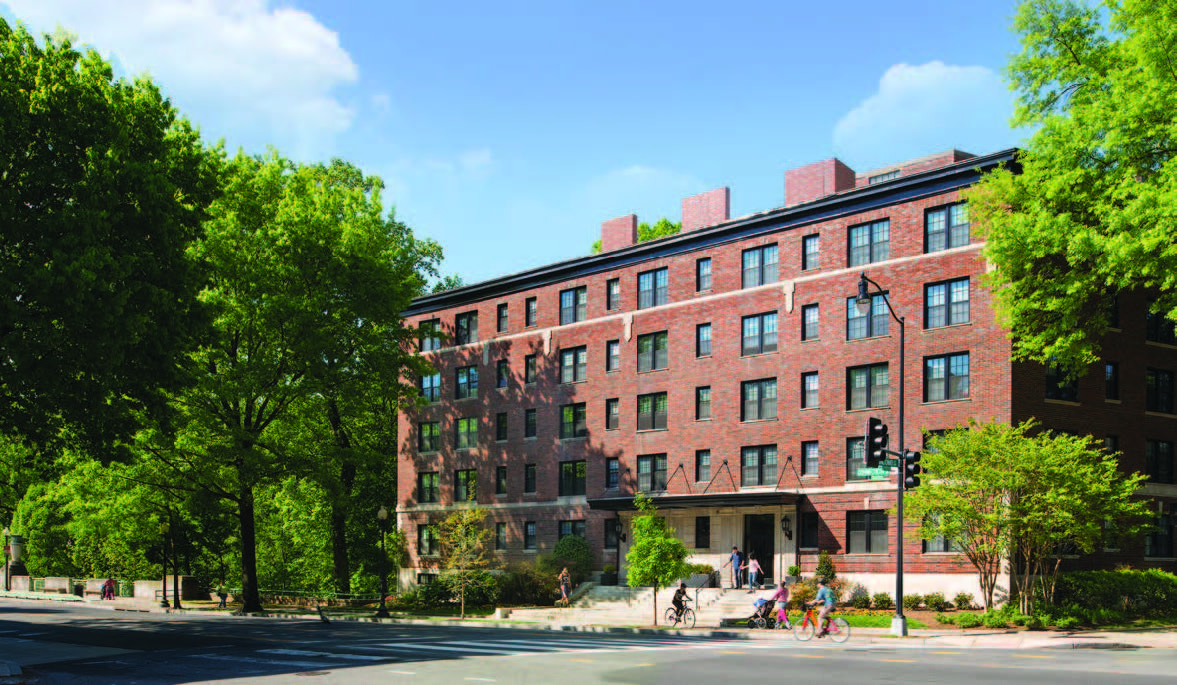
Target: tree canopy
{"type": "Point", "coordinates": [103, 188]}
{"type": "Point", "coordinates": [661, 228]}
{"type": "Point", "coordinates": [656, 556]}
{"type": "Point", "coordinates": [1091, 213]}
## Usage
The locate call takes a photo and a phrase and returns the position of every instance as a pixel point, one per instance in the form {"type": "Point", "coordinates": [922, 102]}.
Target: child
{"type": "Point", "coordinates": [782, 602]}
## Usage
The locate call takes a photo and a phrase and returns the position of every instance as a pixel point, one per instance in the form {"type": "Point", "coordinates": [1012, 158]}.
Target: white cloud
{"type": "Point", "coordinates": [920, 109]}
{"type": "Point", "coordinates": [230, 64]}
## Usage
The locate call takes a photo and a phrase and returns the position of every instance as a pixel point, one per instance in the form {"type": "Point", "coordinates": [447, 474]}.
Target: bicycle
{"type": "Point", "coordinates": [687, 618]}
{"type": "Point", "coordinates": [838, 629]}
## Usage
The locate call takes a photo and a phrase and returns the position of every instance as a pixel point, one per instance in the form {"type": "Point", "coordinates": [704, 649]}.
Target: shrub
{"type": "Point", "coordinates": [994, 619]}
{"type": "Point", "coordinates": [825, 566]}
{"type": "Point", "coordinates": [1035, 622]}
{"type": "Point", "coordinates": [963, 600]}
{"type": "Point", "coordinates": [1133, 594]}
{"type": "Point", "coordinates": [881, 600]}
{"type": "Point", "coordinates": [801, 593]}
{"type": "Point", "coordinates": [609, 568]}
{"type": "Point", "coordinates": [968, 621]}
{"type": "Point", "coordinates": [700, 569]}
{"type": "Point", "coordinates": [946, 619]}
{"type": "Point", "coordinates": [860, 601]}
{"type": "Point", "coordinates": [794, 571]}
{"type": "Point", "coordinates": [1066, 623]}
{"type": "Point", "coordinates": [526, 583]}
{"type": "Point", "coordinates": [435, 593]}
{"type": "Point", "coordinates": [935, 601]}
{"type": "Point", "coordinates": [912, 602]}
{"type": "Point", "coordinates": [576, 553]}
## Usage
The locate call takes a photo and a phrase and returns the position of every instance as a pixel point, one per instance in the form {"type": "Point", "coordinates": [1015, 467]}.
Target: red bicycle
{"type": "Point", "coordinates": [837, 629]}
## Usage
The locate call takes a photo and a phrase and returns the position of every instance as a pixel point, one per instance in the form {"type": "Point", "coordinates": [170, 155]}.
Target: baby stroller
{"type": "Point", "coordinates": [762, 618]}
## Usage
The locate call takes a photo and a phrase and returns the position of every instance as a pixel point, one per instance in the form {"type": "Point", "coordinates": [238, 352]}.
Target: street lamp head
{"type": "Point", "coordinates": [382, 514]}
{"type": "Point", "coordinates": [863, 301]}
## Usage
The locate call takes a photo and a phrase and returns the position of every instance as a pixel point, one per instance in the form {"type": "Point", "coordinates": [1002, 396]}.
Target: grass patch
{"type": "Point", "coordinates": [861, 621]}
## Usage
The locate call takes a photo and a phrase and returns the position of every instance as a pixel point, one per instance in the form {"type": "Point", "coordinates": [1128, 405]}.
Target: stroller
{"type": "Point", "coordinates": [762, 618]}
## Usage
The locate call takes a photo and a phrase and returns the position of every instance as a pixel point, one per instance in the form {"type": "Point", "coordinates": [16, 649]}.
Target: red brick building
{"type": "Point", "coordinates": [727, 372]}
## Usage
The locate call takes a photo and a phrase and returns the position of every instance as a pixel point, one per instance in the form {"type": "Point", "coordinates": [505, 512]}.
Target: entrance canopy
{"type": "Point", "coordinates": [725, 499]}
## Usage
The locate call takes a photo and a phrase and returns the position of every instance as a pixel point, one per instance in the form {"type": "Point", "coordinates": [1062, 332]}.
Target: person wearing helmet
{"type": "Point", "coordinates": [680, 597]}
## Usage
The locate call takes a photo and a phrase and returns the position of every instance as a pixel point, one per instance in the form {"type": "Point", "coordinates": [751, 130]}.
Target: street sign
{"type": "Point", "coordinates": [889, 463]}
{"type": "Point", "coordinates": [874, 473]}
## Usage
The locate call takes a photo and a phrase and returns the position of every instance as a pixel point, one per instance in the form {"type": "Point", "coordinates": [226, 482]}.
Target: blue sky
{"type": "Point", "coordinates": [509, 131]}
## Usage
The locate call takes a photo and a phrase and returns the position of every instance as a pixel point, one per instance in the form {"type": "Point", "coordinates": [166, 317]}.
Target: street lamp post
{"type": "Point", "coordinates": [382, 520]}
{"type": "Point", "coordinates": [175, 568]}
{"type": "Point", "coordinates": [163, 529]}
{"type": "Point", "coordinates": [7, 578]}
{"type": "Point", "coordinates": [863, 301]}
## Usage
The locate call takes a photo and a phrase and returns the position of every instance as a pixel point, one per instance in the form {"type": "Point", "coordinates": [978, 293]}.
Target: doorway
{"type": "Point", "coordinates": [758, 540]}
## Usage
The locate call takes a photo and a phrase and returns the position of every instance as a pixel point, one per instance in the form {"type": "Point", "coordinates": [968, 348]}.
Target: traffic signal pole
{"type": "Point", "coordinates": [899, 621]}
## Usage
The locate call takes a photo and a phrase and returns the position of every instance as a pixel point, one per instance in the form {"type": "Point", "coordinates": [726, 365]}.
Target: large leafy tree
{"type": "Point", "coordinates": [102, 189]}
{"type": "Point", "coordinates": [1006, 494]}
{"type": "Point", "coordinates": [463, 539]}
{"type": "Point", "coordinates": [1091, 213]}
{"type": "Point", "coordinates": [657, 557]}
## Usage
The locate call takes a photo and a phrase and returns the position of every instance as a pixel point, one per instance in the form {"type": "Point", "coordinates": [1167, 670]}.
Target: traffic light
{"type": "Point", "coordinates": [911, 469]}
{"type": "Point", "coordinates": [876, 441]}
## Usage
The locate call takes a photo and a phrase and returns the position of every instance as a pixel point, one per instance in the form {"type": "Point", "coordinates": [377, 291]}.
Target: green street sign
{"type": "Point", "coordinates": [889, 463]}
{"type": "Point", "coordinates": [874, 473]}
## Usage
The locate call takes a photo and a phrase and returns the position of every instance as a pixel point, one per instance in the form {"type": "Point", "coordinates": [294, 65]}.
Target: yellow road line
{"type": "Point", "coordinates": [808, 656]}
{"type": "Point", "coordinates": [1031, 656]}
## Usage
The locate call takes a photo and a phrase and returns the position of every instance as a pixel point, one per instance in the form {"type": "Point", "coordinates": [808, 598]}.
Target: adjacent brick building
{"type": "Point", "coordinates": [727, 371]}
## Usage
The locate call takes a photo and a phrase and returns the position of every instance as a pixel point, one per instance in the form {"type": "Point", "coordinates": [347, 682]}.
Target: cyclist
{"type": "Point", "coordinates": [825, 597]}
{"type": "Point", "coordinates": [680, 596]}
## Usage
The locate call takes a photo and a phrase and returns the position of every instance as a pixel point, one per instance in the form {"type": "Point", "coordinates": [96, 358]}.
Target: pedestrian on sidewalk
{"type": "Point", "coordinates": [565, 586]}
{"type": "Point", "coordinates": [108, 588]}
{"type": "Point", "coordinates": [222, 595]}
{"type": "Point", "coordinates": [782, 603]}
{"type": "Point", "coordinates": [734, 562]}
{"type": "Point", "coordinates": [754, 574]}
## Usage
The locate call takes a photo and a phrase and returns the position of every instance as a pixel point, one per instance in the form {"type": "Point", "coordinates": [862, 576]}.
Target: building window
{"type": "Point", "coordinates": [702, 532]}
{"type": "Point", "coordinates": [652, 473]}
{"type": "Point", "coordinates": [652, 411]}
{"type": "Point", "coordinates": [652, 351]}
{"type": "Point", "coordinates": [810, 458]}
{"type": "Point", "coordinates": [870, 243]}
{"type": "Point", "coordinates": [501, 426]}
{"type": "Point", "coordinates": [759, 334]}
{"type": "Point", "coordinates": [530, 311]}
{"type": "Point", "coordinates": [1111, 444]}
{"type": "Point", "coordinates": [810, 525]}
{"type": "Point", "coordinates": [946, 227]}
{"type": "Point", "coordinates": [1158, 461]}
{"type": "Point", "coordinates": [810, 390]}
{"type": "Point", "coordinates": [574, 365]}
{"type": "Point", "coordinates": [466, 485]}
{"type": "Point", "coordinates": [1158, 327]}
{"type": "Point", "coordinates": [1158, 384]}
{"type": "Point", "coordinates": [703, 340]}
{"type": "Point", "coordinates": [529, 423]}
{"type": "Point", "coordinates": [940, 544]}
{"type": "Point", "coordinates": [613, 294]}
{"type": "Point", "coordinates": [702, 466]}
{"type": "Point", "coordinates": [653, 287]}
{"type": "Point", "coordinates": [529, 478]}
{"type": "Point", "coordinates": [613, 356]}
{"type": "Point", "coordinates": [703, 403]}
{"type": "Point", "coordinates": [946, 377]}
{"type": "Point", "coordinates": [873, 322]}
{"type": "Point", "coordinates": [501, 535]}
{"type": "Point", "coordinates": [866, 532]}
{"type": "Point", "coordinates": [428, 490]}
{"type": "Point", "coordinates": [573, 305]}
{"type": "Point", "coordinates": [703, 274]}
{"type": "Point", "coordinates": [1113, 311]}
{"type": "Point", "coordinates": [885, 176]}
{"type": "Point", "coordinates": [612, 473]}
{"type": "Point", "coordinates": [758, 465]}
{"type": "Point", "coordinates": [573, 475]}
{"type": "Point", "coordinates": [502, 373]}
{"type": "Point", "coordinates": [576, 528]}
{"type": "Point", "coordinates": [467, 433]}
{"type": "Point", "coordinates": [868, 386]}
{"type": "Point", "coordinates": [946, 304]}
{"type": "Point", "coordinates": [573, 421]}
{"type": "Point", "coordinates": [611, 533]}
{"type": "Point", "coordinates": [855, 458]}
{"type": "Point", "coordinates": [1111, 380]}
{"type": "Point", "coordinates": [810, 252]}
{"type": "Point", "coordinates": [530, 372]}
{"type": "Point", "coordinates": [467, 385]}
{"type": "Point", "coordinates": [431, 387]}
{"type": "Point", "coordinates": [429, 339]}
{"type": "Point", "coordinates": [429, 437]}
{"type": "Point", "coordinates": [427, 543]}
{"type": "Point", "coordinates": [612, 413]}
{"type": "Point", "coordinates": [466, 328]}
{"type": "Point", "coordinates": [758, 400]}
{"type": "Point", "coordinates": [502, 318]}
{"type": "Point", "coordinates": [1159, 543]}
{"type": "Point", "coordinates": [1058, 387]}
{"type": "Point", "coordinates": [759, 266]}
{"type": "Point", "coordinates": [500, 480]}
{"type": "Point", "coordinates": [529, 535]}
{"type": "Point", "coordinates": [810, 320]}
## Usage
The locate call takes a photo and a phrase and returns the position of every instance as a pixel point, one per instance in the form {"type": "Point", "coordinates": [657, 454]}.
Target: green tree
{"type": "Point", "coordinates": [661, 228]}
{"type": "Point", "coordinates": [1002, 493]}
{"type": "Point", "coordinates": [1090, 213]}
{"type": "Point", "coordinates": [104, 187]}
{"type": "Point", "coordinates": [656, 557]}
{"type": "Point", "coordinates": [463, 536]}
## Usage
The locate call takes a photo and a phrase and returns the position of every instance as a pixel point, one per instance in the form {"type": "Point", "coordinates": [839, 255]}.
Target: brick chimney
{"type": "Point", "coordinates": [817, 180]}
{"type": "Point", "coordinates": [706, 209]}
{"type": "Point", "coordinates": [618, 233]}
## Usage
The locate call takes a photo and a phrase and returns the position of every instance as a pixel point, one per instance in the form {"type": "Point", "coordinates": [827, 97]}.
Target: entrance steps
{"type": "Point", "coordinates": [624, 606]}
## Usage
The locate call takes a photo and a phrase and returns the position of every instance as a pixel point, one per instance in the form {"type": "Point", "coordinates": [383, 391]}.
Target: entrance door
{"type": "Point", "coordinates": [758, 540]}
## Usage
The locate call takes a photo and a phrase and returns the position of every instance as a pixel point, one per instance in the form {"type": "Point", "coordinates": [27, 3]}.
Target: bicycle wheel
{"type": "Point", "coordinates": [688, 618]}
{"type": "Point", "coordinates": [839, 630]}
{"type": "Point", "coordinates": [803, 630]}
{"type": "Point", "coordinates": [671, 616]}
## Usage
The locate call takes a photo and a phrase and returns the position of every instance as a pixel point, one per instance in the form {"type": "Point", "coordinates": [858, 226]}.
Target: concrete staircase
{"type": "Point", "coordinates": [623, 606]}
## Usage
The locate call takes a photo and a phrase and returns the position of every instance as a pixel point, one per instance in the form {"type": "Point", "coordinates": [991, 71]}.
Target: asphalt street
{"type": "Point", "coordinates": [79, 645]}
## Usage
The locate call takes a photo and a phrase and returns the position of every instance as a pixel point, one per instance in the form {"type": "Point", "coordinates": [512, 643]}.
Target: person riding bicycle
{"type": "Point", "coordinates": [680, 596]}
{"type": "Point", "coordinates": [825, 597]}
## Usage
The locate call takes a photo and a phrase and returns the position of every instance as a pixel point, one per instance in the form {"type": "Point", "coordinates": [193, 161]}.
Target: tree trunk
{"type": "Point", "coordinates": [655, 605]}
{"type": "Point", "coordinates": [347, 479]}
{"type": "Point", "coordinates": [251, 599]}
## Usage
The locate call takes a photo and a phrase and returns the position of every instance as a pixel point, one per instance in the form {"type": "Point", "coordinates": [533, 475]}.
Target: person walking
{"type": "Point", "coordinates": [565, 586]}
{"type": "Point", "coordinates": [782, 604]}
{"type": "Point", "coordinates": [222, 595]}
{"type": "Point", "coordinates": [754, 574]}
{"type": "Point", "coordinates": [734, 562]}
